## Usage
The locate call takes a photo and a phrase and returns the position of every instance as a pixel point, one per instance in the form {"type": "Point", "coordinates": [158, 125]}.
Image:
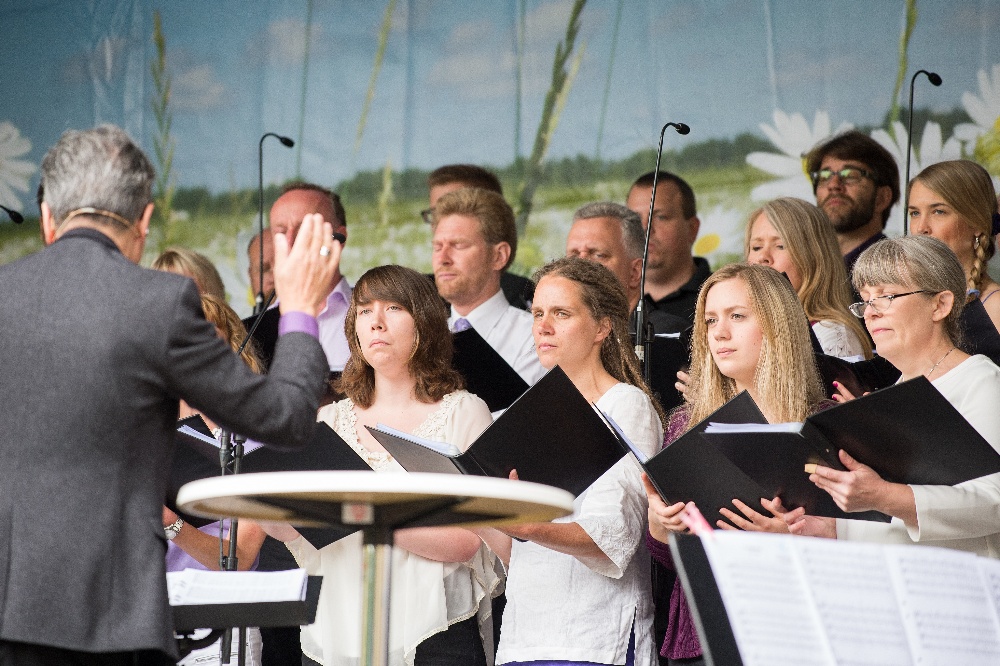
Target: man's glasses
{"type": "Point", "coordinates": [879, 304]}
{"type": "Point", "coordinates": [428, 215]}
{"type": "Point", "coordinates": [847, 175]}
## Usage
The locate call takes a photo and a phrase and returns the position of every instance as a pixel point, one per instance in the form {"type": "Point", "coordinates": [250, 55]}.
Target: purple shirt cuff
{"type": "Point", "coordinates": [298, 322]}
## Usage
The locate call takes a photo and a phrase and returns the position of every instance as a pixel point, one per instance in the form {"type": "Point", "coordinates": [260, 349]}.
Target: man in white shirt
{"type": "Point", "coordinates": [475, 240]}
{"type": "Point", "coordinates": [296, 201]}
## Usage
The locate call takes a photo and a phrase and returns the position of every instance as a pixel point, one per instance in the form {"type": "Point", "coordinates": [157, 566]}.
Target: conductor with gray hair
{"type": "Point", "coordinates": [97, 353]}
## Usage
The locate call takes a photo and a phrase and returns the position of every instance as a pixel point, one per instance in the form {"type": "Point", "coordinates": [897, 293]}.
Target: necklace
{"type": "Point", "coordinates": [934, 367]}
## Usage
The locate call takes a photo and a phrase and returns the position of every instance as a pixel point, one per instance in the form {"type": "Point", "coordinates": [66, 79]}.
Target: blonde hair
{"type": "Point", "coordinates": [604, 297]}
{"type": "Point", "coordinates": [194, 265]}
{"type": "Point", "coordinates": [808, 236]}
{"type": "Point", "coordinates": [968, 188]}
{"type": "Point", "coordinates": [786, 381]}
{"type": "Point", "coordinates": [218, 312]}
{"type": "Point", "coordinates": [491, 210]}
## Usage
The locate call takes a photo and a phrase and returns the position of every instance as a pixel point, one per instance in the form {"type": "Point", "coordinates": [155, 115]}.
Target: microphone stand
{"type": "Point", "coordinates": [230, 457]}
{"type": "Point", "coordinates": [15, 217]}
{"type": "Point", "coordinates": [935, 81]}
{"type": "Point", "coordinates": [643, 329]}
{"type": "Point", "coordinates": [285, 141]}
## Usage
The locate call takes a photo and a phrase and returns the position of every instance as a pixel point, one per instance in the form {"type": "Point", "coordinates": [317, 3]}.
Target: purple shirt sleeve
{"type": "Point", "coordinates": [298, 322]}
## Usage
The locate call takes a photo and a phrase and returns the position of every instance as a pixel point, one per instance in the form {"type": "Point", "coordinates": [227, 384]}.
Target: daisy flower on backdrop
{"type": "Point", "coordinates": [14, 172]}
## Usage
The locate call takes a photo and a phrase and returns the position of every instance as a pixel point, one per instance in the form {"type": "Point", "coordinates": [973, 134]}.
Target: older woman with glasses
{"type": "Point", "coordinates": [913, 290]}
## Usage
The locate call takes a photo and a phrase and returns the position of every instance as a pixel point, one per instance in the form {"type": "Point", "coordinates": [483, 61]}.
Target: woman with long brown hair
{"type": "Point", "coordinates": [400, 374]}
{"type": "Point", "coordinates": [578, 588]}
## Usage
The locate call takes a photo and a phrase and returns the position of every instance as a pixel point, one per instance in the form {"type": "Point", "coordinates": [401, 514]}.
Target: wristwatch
{"type": "Point", "coordinates": [174, 528]}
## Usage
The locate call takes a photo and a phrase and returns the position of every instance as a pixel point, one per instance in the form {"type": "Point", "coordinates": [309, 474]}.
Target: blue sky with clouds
{"type": "Point", "coordinates": [445, 92]}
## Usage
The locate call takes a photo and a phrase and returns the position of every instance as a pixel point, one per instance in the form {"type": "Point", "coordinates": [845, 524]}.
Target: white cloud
{"type": "Point", "coordinates": [283, 42]}
{"type": "Point", "coordinates": [197, 88]}
{"type": "Point", "coordinates": [479, 59]}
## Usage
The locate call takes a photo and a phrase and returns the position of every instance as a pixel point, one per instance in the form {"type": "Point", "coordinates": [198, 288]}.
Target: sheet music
{"type": "Point", "coordinates": [195, 586]}
{"type": "Point", "coordinates": [946, 606]}
{"type": "Point", "coordinates": [854, 597]}
{"type": "Point", "coordinates": [768, 602]}
{"type": "Point", "coordinates": [443, 448]}
{"type": "Point", "coordinates": [793, 426]}
{"type": "Point", "coordinates": [248, 446]}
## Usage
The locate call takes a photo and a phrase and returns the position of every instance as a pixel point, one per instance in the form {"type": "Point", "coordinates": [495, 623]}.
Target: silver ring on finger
{"type": "Point", "coordinates": [324, 251]}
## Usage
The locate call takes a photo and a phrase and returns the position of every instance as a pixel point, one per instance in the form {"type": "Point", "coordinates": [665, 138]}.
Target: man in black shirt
{"type": "Point", "coordinates": [673, 274]}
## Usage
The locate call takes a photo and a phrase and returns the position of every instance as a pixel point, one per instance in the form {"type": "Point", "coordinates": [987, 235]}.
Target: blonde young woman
{"type": "Point", "coordinates": [796, 238]}
{"type": "Point", "coordinates": [194, 265]}
{"type": "Point", "coordinates": [190, 547]}
{"type": "Point", "coordinates": [955, 202]}
{"type": "Point", "coordinates": [750, 334]}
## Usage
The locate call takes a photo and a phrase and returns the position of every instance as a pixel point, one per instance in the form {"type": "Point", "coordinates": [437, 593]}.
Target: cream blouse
{"type": "Point", "coordinates": [426, 596]}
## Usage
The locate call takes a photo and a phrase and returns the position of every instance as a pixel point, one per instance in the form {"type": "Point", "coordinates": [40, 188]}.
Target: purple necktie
{"type": "Point", "coordinates": [461, 324]}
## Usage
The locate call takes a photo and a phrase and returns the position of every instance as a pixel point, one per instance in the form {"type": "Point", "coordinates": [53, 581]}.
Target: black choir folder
{"type": "Point", "coordinates": [550, 435]}
{"type": "Point", "coordinates": [196, 456]}
{"type": "Point", "coordinates": [908, 433]}
{"type": "Point", "coordinates": [784, 600]}
{"type": "Point", "coordinates": [486, 373]}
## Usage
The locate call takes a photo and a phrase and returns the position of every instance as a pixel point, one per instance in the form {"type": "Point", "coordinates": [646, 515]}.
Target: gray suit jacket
{"type": "Point", "coordinates": [95, 353]}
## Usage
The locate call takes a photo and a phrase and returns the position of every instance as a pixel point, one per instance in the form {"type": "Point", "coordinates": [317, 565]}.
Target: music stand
{"type": "Point", "coordinates": [379, 504]}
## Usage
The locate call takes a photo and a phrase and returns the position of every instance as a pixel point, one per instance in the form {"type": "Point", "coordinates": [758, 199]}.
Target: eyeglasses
{"type": "Point", "coordinates": [428, 215]}
{"type": "Point", "coordinates": [879, 304]}
{"type": "Point", "coordinates": [847, 175]}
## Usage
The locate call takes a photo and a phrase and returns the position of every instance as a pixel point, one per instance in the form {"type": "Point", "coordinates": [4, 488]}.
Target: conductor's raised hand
{"type": "Point", "coordinates": [304, 272]}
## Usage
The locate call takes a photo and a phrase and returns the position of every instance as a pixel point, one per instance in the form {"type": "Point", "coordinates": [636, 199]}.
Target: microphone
{"type": "Point", "coordinates": [288, 143]}
{"type": "Point", "coordinates": [16, 217]}
{"type": "Point", "coordinates": [642, 338]}
{"type": "Point", "coordinates": [935, 81]}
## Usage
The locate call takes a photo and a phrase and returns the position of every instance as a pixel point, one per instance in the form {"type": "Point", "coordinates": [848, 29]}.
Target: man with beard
{"type": "Point", "coordinates": [673, 274]}
{"type": "Point", "coordinates": [856, 182]}
{"type": "Point", "coordinates": [474, 242]}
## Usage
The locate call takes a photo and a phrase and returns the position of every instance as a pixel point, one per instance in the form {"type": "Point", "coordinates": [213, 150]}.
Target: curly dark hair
{"type": "Point", "coordinates": [430, 362]}
{"type": "Point", "coordinates": [604, 296]}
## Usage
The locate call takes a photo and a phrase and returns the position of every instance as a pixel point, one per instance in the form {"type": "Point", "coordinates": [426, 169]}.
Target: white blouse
{"type": "Point", "coordinates": [426, 596]}
{"type": "Point", "coordinates": [838, 340]}
{"type": "Point", "coordinates": [966, 516]}
{"type": "Point", "coordinates": [560, 608]}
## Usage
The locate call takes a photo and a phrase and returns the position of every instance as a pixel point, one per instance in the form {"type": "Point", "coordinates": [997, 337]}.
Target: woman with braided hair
{"type": "Point", "coordinates": [955, 202]}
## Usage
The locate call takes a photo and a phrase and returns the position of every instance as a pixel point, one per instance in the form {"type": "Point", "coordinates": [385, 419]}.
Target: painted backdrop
{"type": "Point", "coordinates": [564, 98]}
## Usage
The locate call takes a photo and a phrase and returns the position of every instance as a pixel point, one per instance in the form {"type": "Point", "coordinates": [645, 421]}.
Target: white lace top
{"type": "Point", "coordinates": [837, 340]}
{"type": "Point", "coordinates": [427, 596]}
